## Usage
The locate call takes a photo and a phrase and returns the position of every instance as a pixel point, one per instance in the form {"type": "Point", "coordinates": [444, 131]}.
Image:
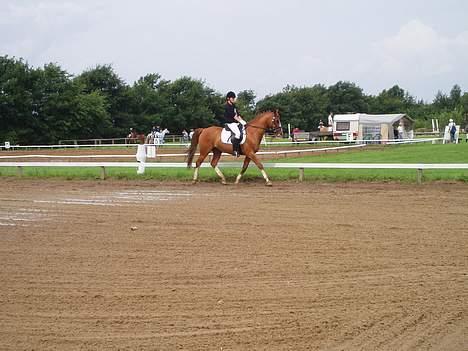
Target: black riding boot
{"type": "Point", "coordinates": [236, 147]}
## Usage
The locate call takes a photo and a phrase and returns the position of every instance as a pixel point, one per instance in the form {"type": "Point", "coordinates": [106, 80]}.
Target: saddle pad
{"type": "Point", "coordinates": [226, 136]}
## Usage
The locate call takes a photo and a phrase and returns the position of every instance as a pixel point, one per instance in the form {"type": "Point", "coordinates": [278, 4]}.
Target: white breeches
{"type": "Point", "coordinates": [234, 127]}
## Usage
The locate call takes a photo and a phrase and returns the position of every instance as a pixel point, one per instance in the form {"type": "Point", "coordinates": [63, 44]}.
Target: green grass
{"type": "Point", "coordinates": [404, 153]}
{"type": "Point", "coordinates": [417, 153]}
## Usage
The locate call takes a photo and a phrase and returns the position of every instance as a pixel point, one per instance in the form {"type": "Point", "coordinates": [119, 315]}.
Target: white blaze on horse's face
{"type": "Point", "coordinates": [276, 125]}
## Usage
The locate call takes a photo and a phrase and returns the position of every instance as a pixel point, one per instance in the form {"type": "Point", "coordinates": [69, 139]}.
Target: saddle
{"type": "Point", "coordinates": [227, 135]}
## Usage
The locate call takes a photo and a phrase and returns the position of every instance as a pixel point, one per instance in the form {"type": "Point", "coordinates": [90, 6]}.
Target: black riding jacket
{"type": "Point", "coordinates": [230, 111]}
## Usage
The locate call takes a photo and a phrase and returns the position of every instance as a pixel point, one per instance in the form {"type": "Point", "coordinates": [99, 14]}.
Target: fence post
{"type": "Point", "coordinates": [301, 174]}
{"type": "Point", "coordinates": [19, 171]}
{"type": "Point", "coordinates": [103, 172]}
{"type": "Point", "coordinates": [419, 175]}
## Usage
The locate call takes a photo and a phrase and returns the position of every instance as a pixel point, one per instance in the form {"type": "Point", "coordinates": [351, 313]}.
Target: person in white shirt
{"type": "Point", "coordinates": [330, 119]}
{"type": "Point", "coordinates": [452, 128]}
{"type": "Point", "coordinates": [400, 131]}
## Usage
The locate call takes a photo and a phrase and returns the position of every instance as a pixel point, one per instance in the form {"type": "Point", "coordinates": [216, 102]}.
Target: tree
{"type": "Point", "coordinates": [246, 103]}
{"type": "Point", "coordinates": [455, 95]}
{"type": "Point", "coordinates": [190, 104]}
{"type": "Point", "coordinates": [393, 100]}
{"type": "Point", "coordinates": [53, 95]}
{"type": "Point", "coordinates": [147, 102]}
{"type": "Point", "coordinates": [300, 107]}
{"type": "Point", "coordinates": [347, 97]}
{"type": "Point", "coordinates": [44, 105]}
{"type": "Point", "coordinates": [464, 108]}
{"type": "Point", "coordinates": [104, 80]}
{"type": "Point", "coordinates": [90, 118]}
{"type": "Point", "coordinates": [441, 101]}
{"type": "Point", "coordinates": [16, 105]}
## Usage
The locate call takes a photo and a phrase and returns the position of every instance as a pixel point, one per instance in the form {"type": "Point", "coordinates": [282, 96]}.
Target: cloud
{"type": "Point", "coordinates": [36, 27]}
{"type": "Point", "coordinates": [418, 58]}
{"type": "Point", "coordinates": [418, 50]}
{"type": "Point", "coordinates": [256, 45]}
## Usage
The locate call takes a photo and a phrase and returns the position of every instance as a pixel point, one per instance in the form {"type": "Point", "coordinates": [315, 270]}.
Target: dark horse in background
{"type": "Point", "coordinates": [209, 140]}
{"type": "Point", "coordinates": [135, 138]}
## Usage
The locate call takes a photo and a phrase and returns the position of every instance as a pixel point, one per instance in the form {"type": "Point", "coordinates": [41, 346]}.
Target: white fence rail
{"type": "Point", "coordinates": [419, 167]}
{"type": "Point", "coordinates": [285, 152]}
{"type": "Point", "coordinates": [265, 143]}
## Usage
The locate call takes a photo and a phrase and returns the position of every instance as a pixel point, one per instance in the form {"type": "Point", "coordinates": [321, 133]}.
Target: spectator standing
{"type": "Point", "coordinates": [185, 136]}
{"type": "Point", "coordinates": [452, 127]}
{"type": "Point", "coordinates": [400, 131]}
{"type": "Point", "coordinates": [330, 119]}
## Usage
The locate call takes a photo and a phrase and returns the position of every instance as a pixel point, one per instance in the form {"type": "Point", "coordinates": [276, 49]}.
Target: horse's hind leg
{"type": "Point", "coordinates": [214, 164]}
{"type": "Point", "coordinates": [201, 158]}
{"type": "Point", "coordinates": [244, 168]}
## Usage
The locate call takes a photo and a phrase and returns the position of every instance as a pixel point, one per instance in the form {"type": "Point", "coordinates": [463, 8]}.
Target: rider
{"type": "Point", "coordinates": [232, 120]}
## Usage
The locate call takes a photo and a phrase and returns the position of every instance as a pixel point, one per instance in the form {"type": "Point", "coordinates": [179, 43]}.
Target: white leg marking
{"type": "Point", "coordinates": [266, 177]}
{"type": "Point", "coordinates": [220, 174]}
{"type": "Point", "coordinates": [195, 174]}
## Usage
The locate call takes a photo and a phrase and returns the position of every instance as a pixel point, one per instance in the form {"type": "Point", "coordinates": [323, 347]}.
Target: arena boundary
{"type": "Point", "coordinates": [284, 152]}
{"type": "Point", "coordinates": [269, 143]}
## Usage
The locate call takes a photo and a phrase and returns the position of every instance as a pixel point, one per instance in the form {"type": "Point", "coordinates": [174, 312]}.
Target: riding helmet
{"type": "Point", "coordinates": [230, 94]}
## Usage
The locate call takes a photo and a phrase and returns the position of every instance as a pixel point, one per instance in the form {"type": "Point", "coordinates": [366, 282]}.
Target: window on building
{"type": "Point", "coordinates": [342, 126]}
{"type": "Point", "coordinates": [370, 131]}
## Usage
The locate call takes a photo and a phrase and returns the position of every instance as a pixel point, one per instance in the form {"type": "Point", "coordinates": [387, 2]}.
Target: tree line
{"type": "Point", "coordinates": [42, 105]}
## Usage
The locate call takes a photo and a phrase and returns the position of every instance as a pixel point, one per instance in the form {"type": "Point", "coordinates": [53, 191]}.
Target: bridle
{"type": "Point", "coordinates": [273, 130]}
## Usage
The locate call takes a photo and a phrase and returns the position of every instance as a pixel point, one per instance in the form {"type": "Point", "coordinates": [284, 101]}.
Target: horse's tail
{"type": "Point", "coordinates": [193, 146]}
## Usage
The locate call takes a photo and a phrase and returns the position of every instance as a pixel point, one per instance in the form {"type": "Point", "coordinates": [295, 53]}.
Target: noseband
{"type": "Point", "coordinates": [274, 130]}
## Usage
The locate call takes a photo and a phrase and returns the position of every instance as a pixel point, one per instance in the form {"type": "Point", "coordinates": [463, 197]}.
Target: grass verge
{"type": "Point", "coordinates": [417, 153]}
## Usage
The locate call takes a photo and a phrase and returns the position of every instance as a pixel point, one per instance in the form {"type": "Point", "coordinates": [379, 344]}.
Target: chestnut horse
{"type": "Point", "coordinates": [135, 138]}
{"type": "Point", "coordinates": [209, 140]}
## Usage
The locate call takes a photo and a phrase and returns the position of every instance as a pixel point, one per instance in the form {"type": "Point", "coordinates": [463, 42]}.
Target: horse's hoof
{"type": "Point", "coordinates": [269, 183]}
{"type": "Point", "coordinates": [194, 182]}
{"type": "Point", "coordinates": [223, 182]}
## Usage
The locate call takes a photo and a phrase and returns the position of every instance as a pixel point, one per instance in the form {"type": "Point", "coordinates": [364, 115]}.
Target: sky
{"type": "Point", "coordinates": [250, 44]}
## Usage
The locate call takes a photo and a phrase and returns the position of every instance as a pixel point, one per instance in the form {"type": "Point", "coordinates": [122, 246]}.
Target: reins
{"type": "Point", "coordinates": [265, 129]}
{"type": "Point", "coordinates": [251, 125]}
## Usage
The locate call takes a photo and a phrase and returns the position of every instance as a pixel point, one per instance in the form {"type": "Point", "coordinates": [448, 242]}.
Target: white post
{"type": "Point", "coordinates": [141, 158]}
{"type": "Point", "coordinates": [151, 151]}
{"type": "Point", "coordinates": [289, 131]}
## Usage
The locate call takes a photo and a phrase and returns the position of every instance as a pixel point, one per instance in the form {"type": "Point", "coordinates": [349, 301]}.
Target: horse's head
{"type": "Point", "coordinates": [269, 122]}
{"type": "Point", "coordinates": [275, 123]}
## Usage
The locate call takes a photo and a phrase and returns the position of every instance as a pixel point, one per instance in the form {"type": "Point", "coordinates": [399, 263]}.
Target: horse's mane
{"type": "Point", "coordinates": [261, 114]}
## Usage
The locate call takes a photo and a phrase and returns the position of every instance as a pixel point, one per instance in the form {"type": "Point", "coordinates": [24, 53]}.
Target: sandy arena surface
{"type": "Point", "coordinates": [134, 265]}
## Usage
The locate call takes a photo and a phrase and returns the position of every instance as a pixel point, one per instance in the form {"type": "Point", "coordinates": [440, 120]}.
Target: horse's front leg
{"type": "Point", "coordinates": [195, 175]}
{"type": "Point", "coordinates": [214, 164]}
{"type": "Point", "coordinates": [244, 168]}
{"type": "Point", "coordinates": [261, 168]}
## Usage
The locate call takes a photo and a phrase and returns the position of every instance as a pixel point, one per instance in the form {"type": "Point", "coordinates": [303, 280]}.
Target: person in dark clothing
{"type": "Point", "coordinates": [232, 119]}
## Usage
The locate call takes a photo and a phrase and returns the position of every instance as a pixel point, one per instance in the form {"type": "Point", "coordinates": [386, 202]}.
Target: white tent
{"type": "Point", "coordinates": [372, 127]}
